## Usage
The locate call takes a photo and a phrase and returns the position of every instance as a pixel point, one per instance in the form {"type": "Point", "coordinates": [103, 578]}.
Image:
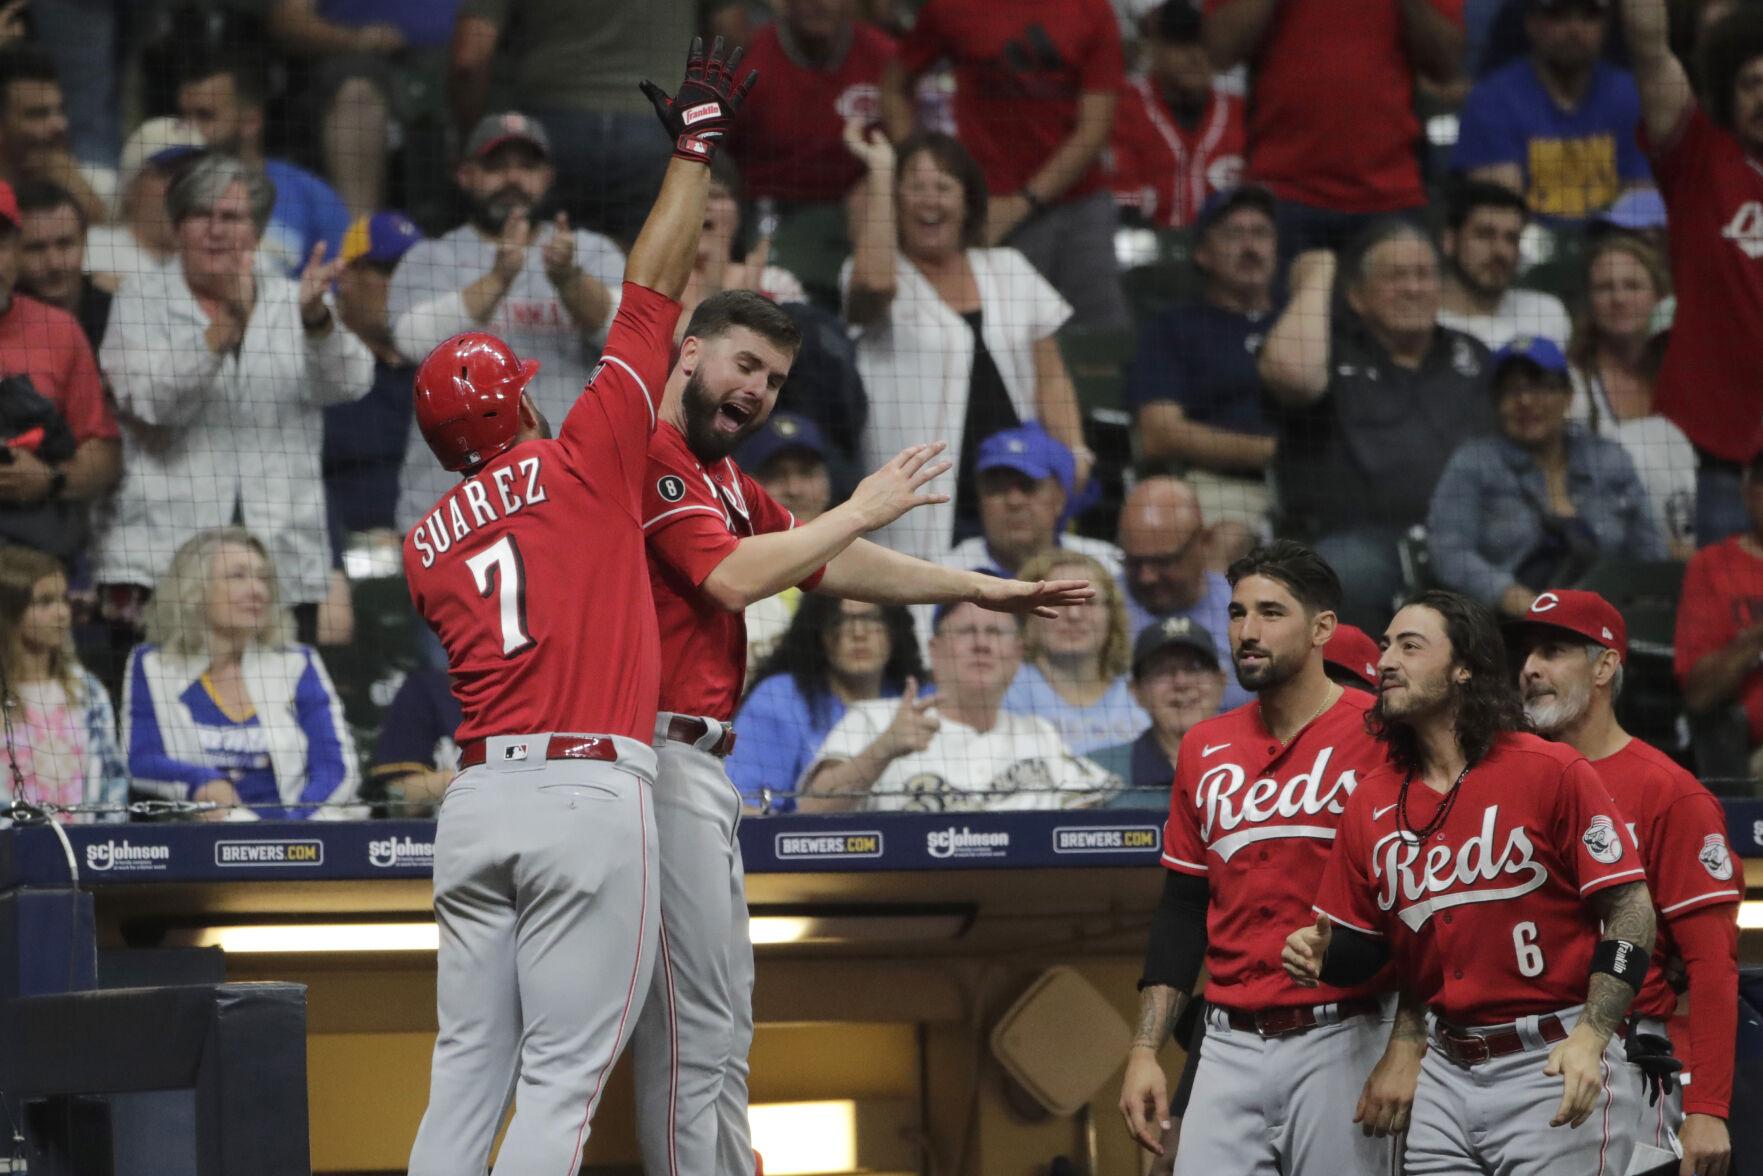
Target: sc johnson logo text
{"type": "Point", "coordinates": [400, 851]}
{"type": "Point", "coordinates": [304, 851]}
{"type": "Point", "coordinates": [1107, 839]}
{"type": "Point", "coordinates": [125, 855]}
{"type": "Point", "coordinates": [965, 843]}
{"type": "Point", "coordinates": [864, 844]}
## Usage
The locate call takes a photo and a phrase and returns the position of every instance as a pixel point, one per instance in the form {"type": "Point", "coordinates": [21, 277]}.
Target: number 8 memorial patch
{"type": "Point", "coordinates": [671, 488]}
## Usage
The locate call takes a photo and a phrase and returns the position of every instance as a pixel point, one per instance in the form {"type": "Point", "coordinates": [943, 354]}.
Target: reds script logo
{"type": "Point", "coordinates": [1228, 804]}
{"type": "Point", "coordinates": [1422, 879]}
{"type": "Point", "coordinates": [1714, 857]}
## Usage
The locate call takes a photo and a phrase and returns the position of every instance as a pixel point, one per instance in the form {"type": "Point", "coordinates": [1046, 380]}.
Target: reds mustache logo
{"type": "Point", "coordinates": [1229, 800]}
{"type": "Point", "coordinates": [1417, 880]}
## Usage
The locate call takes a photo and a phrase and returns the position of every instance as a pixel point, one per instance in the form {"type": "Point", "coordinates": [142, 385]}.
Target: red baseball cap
{"type": "Point", "coordinates": [1583, 613]}
{"type": "Point", "coordinates": [8, 204]}
{"type": "Point", "coordinates": [1353, 650]}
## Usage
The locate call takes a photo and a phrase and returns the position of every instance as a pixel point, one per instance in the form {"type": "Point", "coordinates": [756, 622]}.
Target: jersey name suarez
{"type": "Point", "coordinates": [1489, 916]}
{"type": "Point", "coordinates": [1257, 821]}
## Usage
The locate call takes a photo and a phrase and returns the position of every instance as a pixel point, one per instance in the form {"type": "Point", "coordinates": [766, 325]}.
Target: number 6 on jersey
{"type": "Point", "coordinates": [497, 568]}
{"type": "Point", "coordinates": [1524, 942]}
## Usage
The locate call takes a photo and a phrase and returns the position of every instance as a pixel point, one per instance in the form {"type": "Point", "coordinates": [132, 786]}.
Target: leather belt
{"type": "Point", "coordinates": [1279, 1022]}
{"type": "Point", "coordinates": [1471, 1049]}
{"type": "Point", "coordinates": [557, 747]}
{"type": "Point", "coordinates": [689, 729]}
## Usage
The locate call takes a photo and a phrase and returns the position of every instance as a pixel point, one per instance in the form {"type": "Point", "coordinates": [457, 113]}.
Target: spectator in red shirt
{"type": "Point", "coordinates": [1332, 128]}
{"type": "Point", "coordinates": [1036, 85]}
{"type": "Point", "coordinates": [1709, 164]}
{"type": "Point", "coordinates": [44, 472]}
{"type": "Point", "coordinates": [1719, 641]}
{"type": "Point", "coordinates": [821, 67]}
{"type": "Point", "coordinates": [1178, 138]}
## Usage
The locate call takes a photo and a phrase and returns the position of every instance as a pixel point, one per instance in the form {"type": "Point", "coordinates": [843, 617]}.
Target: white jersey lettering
{"type": "Point", "coordinates": [1416, 889]}
{"type": "Point", "coordinates": [1230, 801]}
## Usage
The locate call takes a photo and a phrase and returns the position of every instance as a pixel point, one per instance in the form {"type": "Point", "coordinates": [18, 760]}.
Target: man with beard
{"type": "Point", "coordinates": [1484, 859]}
{"type": "Point", "coordinates": [513, 269]}
{"type": "Point", "coordinates": [717, 543]}
{"type": "Point", "coordinates": [1483, 222]}
{"type": "Point", "coordinates": [1256, 797]}
{"type": "Point", "coordinates": [1558, 124]}
{"type": "Point", "coordinates": [33, 129]}
{"type": "Point", "coordinates": [1575, 645]}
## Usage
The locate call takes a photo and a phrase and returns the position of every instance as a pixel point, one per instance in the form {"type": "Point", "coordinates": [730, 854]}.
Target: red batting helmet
{"type": "Point", "coordinates": [468, 398]}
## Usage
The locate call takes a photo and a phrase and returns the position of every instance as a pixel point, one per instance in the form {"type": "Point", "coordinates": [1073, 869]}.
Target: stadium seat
{"type": "Point", "coordinates": [1169, 281]}
{"type": "Point", "coordinates": [812, 242]}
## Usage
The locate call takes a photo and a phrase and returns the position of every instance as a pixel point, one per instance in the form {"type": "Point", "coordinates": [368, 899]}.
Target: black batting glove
{"type": "Point", "coordinates": [704, 108]}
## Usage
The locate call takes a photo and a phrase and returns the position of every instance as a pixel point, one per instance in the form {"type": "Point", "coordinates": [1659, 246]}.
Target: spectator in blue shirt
{"type": "Point", "coordinates": [1193, 383]}
{"type": "Point", "coordinates": [1540, 502]}
{"type": "Point", "coordinates": [220, 705]}
{"type": "Point", "coordinates": [835, 652]}
{"type": "Point", "coordinates": [414, 757]}
{"type": "Point", "coordinates": [365, 440]}
{"type": "Point", "coordinates": [1177, 678]}
{"type": "Point", "coordinates": [1558, 124]}
{"type": "Point", "coordinates": [224, 99]}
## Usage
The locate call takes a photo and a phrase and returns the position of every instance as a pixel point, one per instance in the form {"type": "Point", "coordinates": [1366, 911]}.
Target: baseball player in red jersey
{"type": "Point", "coordinates": [1575, 647]}
{"type": "Point", "coordinates": [1257, 794]}
{"type": "Point", "coordinates": [532, 572]}
{"type": "Point", "coordinates": [1484, 859]}
{"type": "Point", "coordinates": [717, 543]}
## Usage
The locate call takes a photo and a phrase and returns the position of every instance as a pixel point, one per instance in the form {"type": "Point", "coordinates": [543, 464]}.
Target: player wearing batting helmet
{"type": "Point", "coordinates": [1495, 868]}
{"type": "Point", "coordinates": [717, 543]}
{"type": "Point", "coordinates": [1574, 649]}
{"type": "Point", "coordinates": [532, 573]}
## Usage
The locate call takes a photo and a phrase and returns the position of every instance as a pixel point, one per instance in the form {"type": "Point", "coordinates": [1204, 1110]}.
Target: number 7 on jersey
{"type": "Point", "coordinates": [498, 569]}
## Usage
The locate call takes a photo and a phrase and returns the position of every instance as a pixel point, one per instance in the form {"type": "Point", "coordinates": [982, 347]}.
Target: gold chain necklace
{"type": "Point", "coordinates": [1327, 697]}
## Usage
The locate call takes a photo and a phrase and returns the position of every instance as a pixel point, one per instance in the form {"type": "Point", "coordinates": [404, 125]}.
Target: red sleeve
{"type": "Point", "coordinates": [768, 515]}
{"type": "Point", "coordinates": [1708, 940]}
{"type": "Point", "coordinates": [1184, 851]}
{"type": "Point", "coordinates": [683, 520]}
{"type": "Point", "coordinates": [1702, 625]}
{"type": "Point", "coordinates": [1104, 66]}
{"type": "Point", "coordinates": [1691, 865]}
{"type": "Point", "coordinates": [924, 44]}
{"type": "Point", "coordinates": [1595, 843]}
{"type": "Point", "coordinates": [1674, 156]}
{"type": "Point", "coordinates": [84, 403]}
{"type": "Point", "coordinates": [1451, 10]}
{"type": "Point", "coordinates": [1346, 894]}
{"type": "Point", "coordinates": [627, 384]}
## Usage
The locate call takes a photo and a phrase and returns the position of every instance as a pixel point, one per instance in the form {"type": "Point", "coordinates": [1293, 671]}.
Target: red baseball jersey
{"type": "Point", "coordinates": [1019, 70]}
{"type": "Point", "coordinates": [789, 139]}
{"type": "Point", "coordinates": [1167, 170]}
{"type": "Point", "coordinates": [1331, 116]}
{"type": "Point", "coordinates": [1681, 830]}
{"type": "Point", "coordinates": [1489, 922]}
{"type": "Point", "coordinates": [1256, 820]}
{"type": "Point", "coordinates": [1714, 194]}
{"type": "Point", "coordinates": [693, 516]}
{"type": "Point", "coordinates": [1722, 596]}
{"type": "Point", "coordinates": [532, 570]}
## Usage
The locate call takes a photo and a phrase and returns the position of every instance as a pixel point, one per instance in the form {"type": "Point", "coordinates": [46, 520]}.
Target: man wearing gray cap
{"type": "Point", "coordinates": [513, 268]}
{"type": "Point", "coordinates": [1176, 678]}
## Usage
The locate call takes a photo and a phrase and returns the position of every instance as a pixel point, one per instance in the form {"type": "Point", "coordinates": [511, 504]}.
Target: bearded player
{"type": "Point", "coordinates": [531, 571]}
{"type": "Point", "coordinates": [1575, 648]}
{"type": "Point", "coordinates": [1258, 792]}
{"type": "Point", "coordinates": [717, 543]}
{"type": "Point", "coordinates": [1496, 870]}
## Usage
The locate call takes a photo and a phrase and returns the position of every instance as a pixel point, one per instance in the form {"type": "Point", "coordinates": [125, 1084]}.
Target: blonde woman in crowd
{"type": "Point", "coordinates": [220, 705]}
{"type": "Point", "coordinates": [61, 730]}
{"type": "Point", "coordinates": [1074, 668]}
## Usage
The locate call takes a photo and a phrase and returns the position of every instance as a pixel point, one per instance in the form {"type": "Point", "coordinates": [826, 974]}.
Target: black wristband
{"type": "Point", "coordinates": [1353, 957]}
{"type": "Point", "coordinates": [1623, 960]}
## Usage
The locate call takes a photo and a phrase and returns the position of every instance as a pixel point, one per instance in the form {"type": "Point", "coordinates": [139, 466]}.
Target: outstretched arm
{"type": "Point", "coordinates": [697, 116]}
{"type": "Point", "coordinates": [870, 572]}
{"type": "Point", "coordinates": [1664, 85]}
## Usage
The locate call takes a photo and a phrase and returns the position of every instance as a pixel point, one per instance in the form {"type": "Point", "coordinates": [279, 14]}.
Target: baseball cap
{"type": "Point", "coordinates": [1174, 21]}
{"type": "Point", "coordinates": [1173, 633]}
{"type": "Point", "coordinates": [381, 238]}
{"type": "Point", "coordinates": [8, 204]}
{"type": "Point", "coordinates": [493, 130]}
{"type": "Point", "coordinates": [1028, 449]}
{"type": "Point", "coordinates": [784, 431]}
{"type": "Point", "coordinates": [1638, 210]}
{"type": "Point", "coordinates": [1532, 349]}
{"type": "Point", "coordinates": [1585, 614]}
{"type": "Point", "coordinates": [155, 143]}
{"type": "Point", "coordinates": [1352, 649]}
{"type": "Point", "coordinates": [1222, 203]}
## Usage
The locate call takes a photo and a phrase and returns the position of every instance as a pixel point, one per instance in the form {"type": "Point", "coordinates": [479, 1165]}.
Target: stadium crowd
{"type": "Point", "coordinates": [1462, 293]}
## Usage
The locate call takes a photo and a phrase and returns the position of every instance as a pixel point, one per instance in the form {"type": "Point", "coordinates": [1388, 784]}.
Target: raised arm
{"type": "Point", "coordinates": [468, 69]}
{"type": "Point", "coordinates": [697, 116]}
{"type": "Point", "coordinates": [879, 575]}
{"type": "Point", "coordinates": [896, 100]}
{"type": "Point", "coordinates": [872, 285]}
{"type": "Point", "coordinates": [1664, 84]}
{"type": "Point", "coordinates": [1434, 41]}
{"type": "Point", "coordinates": [1294, 360]}
{"type": "Point", "coordinates": [1233, 31]}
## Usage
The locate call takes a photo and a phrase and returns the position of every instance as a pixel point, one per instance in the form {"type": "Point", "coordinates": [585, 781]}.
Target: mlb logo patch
{"type": "Point", "coordinates": [514, 751]}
